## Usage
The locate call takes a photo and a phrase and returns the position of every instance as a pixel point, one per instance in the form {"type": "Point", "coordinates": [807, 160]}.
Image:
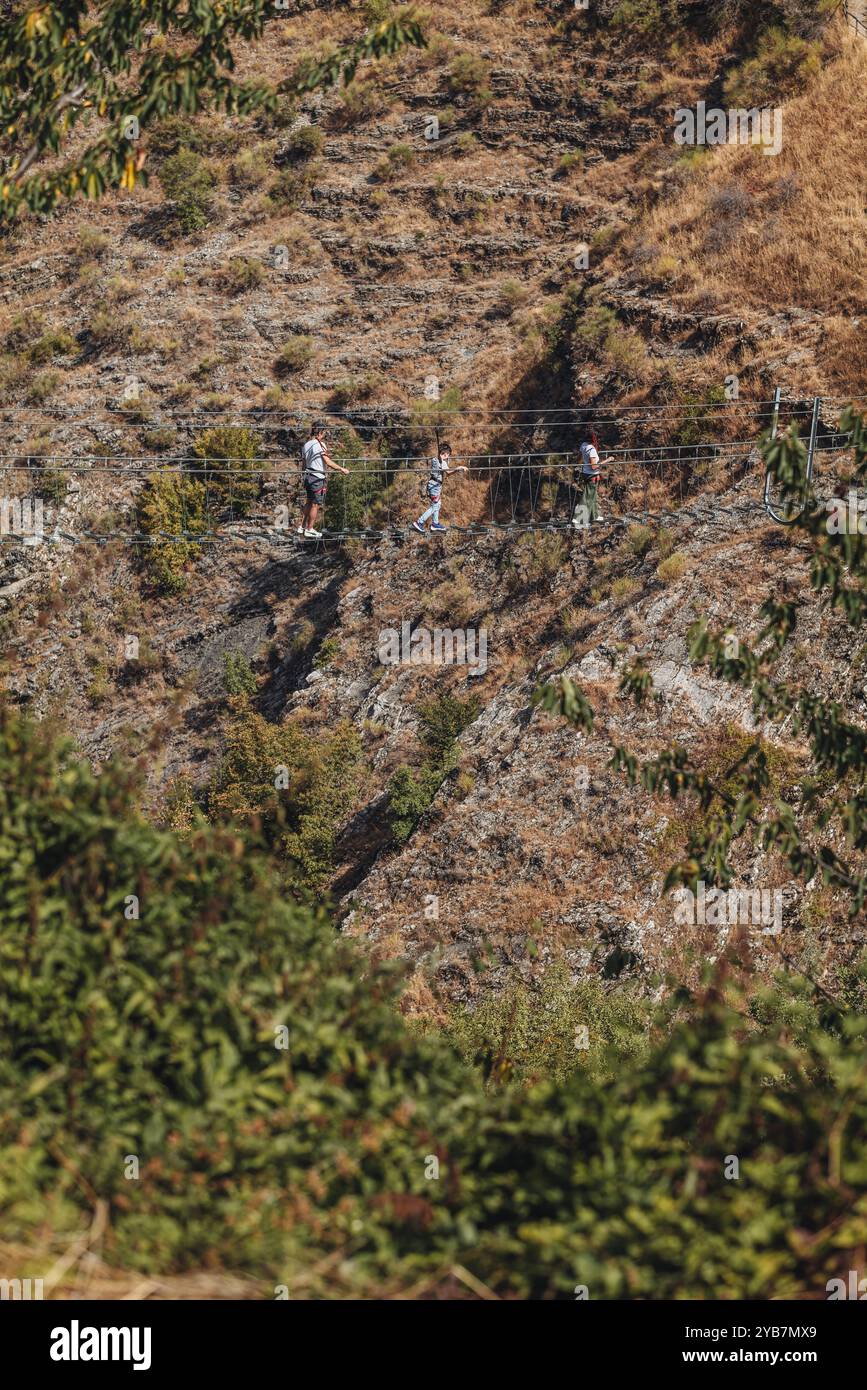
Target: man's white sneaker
{"type": "Point", "coordinates": [313, 535]}
{"type": "Point", "coordinates": [300, 530]}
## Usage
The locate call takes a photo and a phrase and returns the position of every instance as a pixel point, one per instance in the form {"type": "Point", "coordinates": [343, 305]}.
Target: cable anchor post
{"type": "Point", "coordinates": [790, 518]}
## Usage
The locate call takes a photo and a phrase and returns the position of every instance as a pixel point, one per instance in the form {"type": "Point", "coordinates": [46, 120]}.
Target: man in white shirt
{"type": "Point", "coordinates": [315, 460]}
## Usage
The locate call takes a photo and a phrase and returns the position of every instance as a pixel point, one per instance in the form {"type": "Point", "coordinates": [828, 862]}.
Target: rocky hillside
{"type": "Point", "coordinates": [337, 257]}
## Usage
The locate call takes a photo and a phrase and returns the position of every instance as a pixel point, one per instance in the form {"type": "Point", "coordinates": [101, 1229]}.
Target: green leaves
{"type": "Point", "coordinates": [155, 1039]}
{"type": "Point", "coordinates": [63, 62]}
{"type": "Point", "coordinates": [636, 682]}
{"type": "Point", "coordinates": [564, 697]}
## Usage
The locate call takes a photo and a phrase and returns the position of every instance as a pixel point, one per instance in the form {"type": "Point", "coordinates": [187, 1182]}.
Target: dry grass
{"type": "Point", "coordinates": [766, 233]}
{"type": "Point", "coordinates": [74, 1268]}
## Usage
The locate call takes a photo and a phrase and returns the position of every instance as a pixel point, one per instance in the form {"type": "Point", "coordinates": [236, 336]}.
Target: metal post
{"type": "Point", "coordinates": [808, 476]}
{"type": "Point", "coordinates": [776, 415]}
{"type": "Point", "coordinates": [814, 428]}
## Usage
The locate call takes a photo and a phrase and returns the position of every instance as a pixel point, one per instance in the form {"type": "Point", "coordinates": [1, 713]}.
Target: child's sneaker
{"type": "Point", "coordinates": [416, 526]}
{"type": "Point", "coordinates": [435, 526]}
{"type": "Point", "coordinates": [313, 535]}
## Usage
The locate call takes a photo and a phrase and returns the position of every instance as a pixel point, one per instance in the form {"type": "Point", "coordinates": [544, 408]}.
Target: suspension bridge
{"type": "Point", "coordinates": [663, 467]}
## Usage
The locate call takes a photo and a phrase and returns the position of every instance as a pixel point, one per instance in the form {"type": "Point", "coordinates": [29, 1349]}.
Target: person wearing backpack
{"type": "Point", "coordinates": [587, 507]}
{"type": "Point", "coordinates": [315, 459]}
{"type": "Point", "coordinates": [439, 466]}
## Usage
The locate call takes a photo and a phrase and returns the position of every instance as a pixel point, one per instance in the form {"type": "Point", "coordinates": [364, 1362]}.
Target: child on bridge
{"type": "Point", "coordinates": [439, 466]}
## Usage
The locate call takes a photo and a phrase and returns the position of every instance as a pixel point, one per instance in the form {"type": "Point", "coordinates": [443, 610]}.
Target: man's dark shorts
{"type": "Point", "coordinates": [315, 489]}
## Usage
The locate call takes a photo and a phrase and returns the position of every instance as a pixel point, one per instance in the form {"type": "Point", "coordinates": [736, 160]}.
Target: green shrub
{"type": "Point", "coordinates": [639, 538]}
{"type": "Point", "coordinates": [295, 787]}
{"type": "Point", "coordinates": [351, 496]}
{"type": "Point", "coordinates": [294, 355]}
{"type": "Point", "coordinates": [596, 325]}
{"type": "Point", "coordinates": [98, 690]}
{"type": "Point", "coordinates": [55, 343]}
{"type": "Point", "coordinates": [141, 342]}
{"type": "Point", "coordinates": [411, 791]}
{"type": "Point", "coordinates": [14, 376]}
{"type": "Point", "coordinates": [573, 159]}
{"type": "Point", "coordinates": [698, 423]}
{"type": "Point", "coordinates": [91, 244]}
{"type": "Point", "coordinates": [782, 64]}
{"type": "Point", "coordinates": [188, 183]}
{"type": "Point", "coordinates": [361, 100]}
{"type": "Point", "coordinates": [175, 133]}
{"type": "Point", "coordinates": [238, 674]}
{"type": "Point", "coordinates": [665, 542]}
{"type": "Point", "coordinates": [158, 1037]}
{"type": "Point", "coordinates": [139, 410]}
{"type": "Point", "coordinates": [275, 398]}
{"type": "Point", "coordinates": [598, 331]}
{"type": "Point", "coordinates": [108, 329]}
{"type": "Point", "coordinates": [118, 290]}
{"type": "Point", "coordinates": [291, 186]}
{"type": "Point", "coordinates": [50, 483]}
{"type": "Point", "coordinates": [240, 274]}
{"type": "Point", "coordinates": [233, 482]}
{"type": "Point", "coordinates": [20, 333]}
{"type": "Point", "coordinates": [452, 601]}
{"type": "Point", "coordinates": [43, 386]}
{"type": "Point", "coordinates": [216, 400]}
{"type": "Point", "coordinates": [171, 504]}
{"type": "Point", "coordinates": [464, 143]}
{"type": "Point", "coordinates": [377, 11]}
{"type": "Point", "coordinates": [399, 158]}
{"type": "Point", "coordinates": [354, 390]}
{"type": "Point", "coordinates": [161, 437]}
{"type": "Point", "coordinates": [604, 238]}
{"type": "Point", "coordinates": [468, 76]}
{"type": "Point", "coordinates": [510, 296]}
{"type": "Point", "coordinates": [640, 16]}
{"type": "Point", "coordinates": [535, 559]}
{"type": "Point", "coordinates": [672, 567]}
{"type": "Point", "coordinates": [250, 168]}
{"type": "Point", "coordinates": [284, 115]}
{"type": "Point", "coordinates": [302, 143]}
{"type": "Point", "coordinates": [428, 415]}
{"type": "Point", "coordinates": [327, 653]}
{"type": "Point", "coordinates": [443, 720]}
{"type": "Point", "coordinates": [533, 1030]}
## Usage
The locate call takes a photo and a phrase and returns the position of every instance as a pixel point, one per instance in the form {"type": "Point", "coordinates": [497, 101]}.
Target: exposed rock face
{"type": "Point", "coordinates": [532, 848]}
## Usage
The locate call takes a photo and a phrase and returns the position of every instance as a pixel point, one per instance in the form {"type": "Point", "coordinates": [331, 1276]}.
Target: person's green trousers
{"type": "Point", "coordinates": [590, 500]}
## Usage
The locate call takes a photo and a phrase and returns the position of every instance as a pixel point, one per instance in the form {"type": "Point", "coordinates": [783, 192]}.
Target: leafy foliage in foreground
{"type": "Point", "coordinates": [307, 1165]}
{"type": "Point", "coordinates": [131, 66]}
